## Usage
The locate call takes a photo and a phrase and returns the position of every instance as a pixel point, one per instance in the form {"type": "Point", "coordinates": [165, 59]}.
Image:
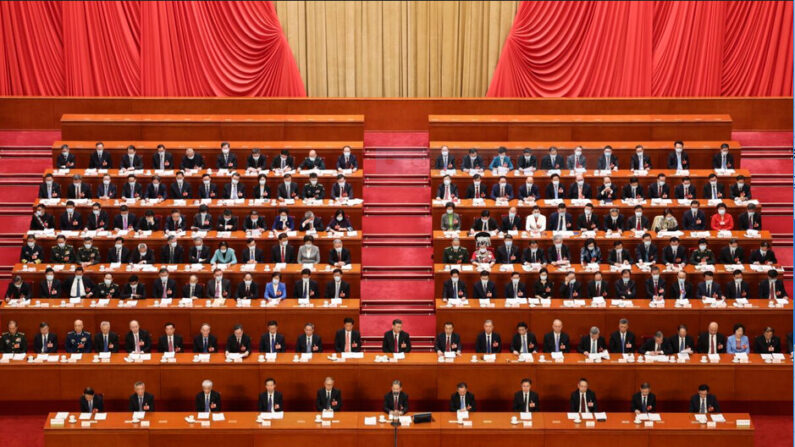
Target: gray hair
{"type": "Point", "coordinates": [594, 330]}
{"type": "Point", "coordinates": [206, 383]}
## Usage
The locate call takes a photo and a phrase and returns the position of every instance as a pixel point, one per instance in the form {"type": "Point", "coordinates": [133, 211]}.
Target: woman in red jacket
{"type": "Point", "coordinates": [722, 220]}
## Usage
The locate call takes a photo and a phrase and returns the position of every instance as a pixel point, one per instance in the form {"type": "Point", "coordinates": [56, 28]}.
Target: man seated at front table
{"type": "Point", "coordinates": [218, 287]}
{"type": "Point", "coordinates": [396, 402]}
{"type": "Point", "coordinates": [208, 400]}
{"type": "Point", "coordinates": [270, 400]}
{"type": "Point", "coordinates": [524, 341]}
{"type": "Point", "coordinates": [140, 400]}
{"type": "Point", "coordinates": [137, 339]}
{"type": "Point", "coordinates": [347, 339]}
{"type": "Point", "coordinates": [193, 289]}
{"type": "Point", "coordinates": [13, 341]}
{"type": "Point", "coordinates": [583, 399]}
{"type": "Point", "coordinates": [448, 341]}
{"type": "Point", "coordinates": [557, 340]}
{"type": "Point", "coordinates": [238, 342]}
{"type": "Point", "coordinates": [272, 341]}
{"type": "Point", "coordinates": [338, 288]}
{"type": "Point", "coordinates": [525, 400]}
{"type": "Point", "coordinates": [767, 343]}
{"type": "Point", "coordinates": [205, 342]}
{"type": "Point", "coordinates": [169, 341]}
{"type": "Point", "coordinates": [328, 397]}
{"type": "Point", "coordinates": [90, 402]}
{"type": "Point", "coordinates": [462, 399]}
{"type": "Point", "coordinates": [309, 342]}
{"type": "Point", "coordinates": [488, 341]}
{"type": "Point", "coordinates": [78, 340]}
{"type": "Point", "coordinates": [656, 345]}
{"type": "Point", "coordinates": [703, 402]}
{"type": "Point", "coordinates": [396, 340]}
{"type": "Point", "coordinates": [681, 342]}
{"type": "Point", "coordinates": [46, 342]}
{"type": "Point", "coordinates": [593, 343]}
{"type": "Point", "coordinates": [644, 401]}
{"type": "Point", "coordinates": [106, 340]}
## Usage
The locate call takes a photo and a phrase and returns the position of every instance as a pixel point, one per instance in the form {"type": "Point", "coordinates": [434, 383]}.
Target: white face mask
{"type": "Point", "coordinates": [608, 154]}
{"type": "Point", "coordinates": [337, 278]}
{"type": "Point", "coordinates": [702, 247]}
{"type": "Point", "coordinates": [31, 244]}
{"type": "Point", "coordinates": [558, 245]}
{"type": "Point", "coordinates": [587, 212]}
{"type": "Point", "coordinates": [515, 280]}
{"type": "Point", "coordinates": [639, 154]}
{"type": "Point", "coordinates": [455, 279]}
{"type": "Point", "coordinates": [284, 243]}
{"type": "Point", "coordinates": [694, 210]}
{"type": "Point", "coordinates": [50, 277]}
{"type": "Point", "coordinates": [580, 182]}
{"type": "Point", "coordinates": [721, 212]}
{"type": "Point", "coordinates": [483, 250]}
{"type": "Point", "coordinates": [172, 244]}
{"type": "Point", "coordinates": [444, 152]}
{"type": "Point", "coordinates": [740, 184]}
{"type": "Point", "coordinates": [39, 213]}
{"type": "Point", "coordinates": [206, 182]}
{"type": "Point", "coordinates": [647, 243]}
{"type": "Point", "coordinates": [555, 182]}
{"type": "Point", "coordinates": [446, 181]}
{"type": "Point", "coordinates": [87, 245]}
{"type": "Point", "coordinates": [225, 150]}
{"type": "Point", "coordinates": [638, 213]}
{"type": "Point", "coordinates": [235, 181]}
{"type": "Point", "coordinates": [119, 245]}
{"type": "Point", "coordinates": [347, 153]}
{"type": "Point", "coordinates": [254, 218]}
{"type": "Point", "coordinates": [287, 182]}
{"type": "Point", "coordinates": [626, 280]}
{"type": "Point", "coordinates": [678, 150]}
{"type": "Point", "coordinates": [543, 277]}
{"type": "Point", "coordinates": [313, 182]}
{"type": "Point", "coordinates": [508, 244]}
{"type": "Point", "coordinates": [275, 281]}
{"type": "Point", "coordinates": [339, 218]}
{"type": "Point", "coordinates": [108, 282]}
{"type": "Point", "coordinates": [106, 182]}
{"type": "Point", "coordinates": [248, 282]}
{"type": "Point", "coordinates": [751, 213]}
{"type": "Point", "coordinates": [255, 157]}
{"type": "Point", "coordinates": [713, 183]}
{"type": "Point", "coordinates": [449, 211]}
{"type": "Point", "coordinates": [655, 277]}
{"type": "Point", "coordinates": [476, 183]}
{"type": "Point", "coordinates": [686, 185]}
{"type": "Point", "coordinates": [607, 185]}
{"type": "Point", "coordinates": [96, 212]}
{"type": "Point", "coordinates": [61, 244]}
{"type": "Point", "coordinates": [724, 152]}
{"type": "Point", "coordinates": [536, 213]}
{"type": "Point", "coordinates": [70, 210]}
{"type": "Point", "coordinates": [283, 218]}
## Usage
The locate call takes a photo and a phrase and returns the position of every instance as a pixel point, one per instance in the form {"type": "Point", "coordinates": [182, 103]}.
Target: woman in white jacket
{"type": "Point", "coordinates": [536, 221]}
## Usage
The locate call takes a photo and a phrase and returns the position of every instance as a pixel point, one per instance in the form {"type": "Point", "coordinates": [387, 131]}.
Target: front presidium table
{"type": "Point", "coordinates": [428, 381]}
{"type": "Point", "coordinates": [351, 429]}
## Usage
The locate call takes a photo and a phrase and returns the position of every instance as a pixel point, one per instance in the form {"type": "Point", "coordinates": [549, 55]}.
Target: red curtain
{"type": "Point", "coordinates": [167, 48]}
{"type": "Point", "coordinates": [662, 48]}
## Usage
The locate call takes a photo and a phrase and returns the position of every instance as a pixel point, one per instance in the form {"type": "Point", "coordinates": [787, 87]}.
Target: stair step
{"type": "Point", "coordinates": [26, 152]}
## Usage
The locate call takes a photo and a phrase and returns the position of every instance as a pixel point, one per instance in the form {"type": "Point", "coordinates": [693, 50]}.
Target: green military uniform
{"type": "Point", "coordinates": [698, 255]}
{"type": "Point", "coordinates": [453, 256]}
{"type": "Point", "coordinates": [65, 255]}
{"type": "Point", "coordinates": [314, 192]}
{"type": "Point", "coordinates": [90, 255]}
{"type": "Point", "coordinates": [13, 343]}
{"type": "Point", "coordinates": [103, 290]}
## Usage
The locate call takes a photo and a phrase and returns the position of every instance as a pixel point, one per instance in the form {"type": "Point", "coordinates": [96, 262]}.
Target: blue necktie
{"type": "Point", "coordinates": [488, 345]}
{"type": "Point", "coordinates": [273, 343]}
{"type": "Point", "coordinates": [270, 403]}
{"type": "Point", "coordinates": [207, 403]}
{"type": "Point", "coordinates": [105, 338]}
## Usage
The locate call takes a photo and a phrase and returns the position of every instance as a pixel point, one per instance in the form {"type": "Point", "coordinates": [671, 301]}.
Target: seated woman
{"type": "Point", "coordinates": [543, 287]}
{"type": "Point", "coordinates": [590, 252]}
{"type": "Point", "coordinates": [738, 342]}
{"type": "Point", "coordinates": [339, 222]}
{"type": "Point", "coordinates": [309, 253]}
{"type": "Point", "coordinates": [283, 222]}
{"type": "Point", "coordinates": [536, 221]}
{"type": "Point", "coordinates": [665, 222]}
{"type": "Point", "coordinates": [275, 290]}
{"type": "Point", "coordinates": [224, 255]}
{"type": "Point", "coordinates": [722, 221]}
{"type": "Point", "coordinates": [483, 255]}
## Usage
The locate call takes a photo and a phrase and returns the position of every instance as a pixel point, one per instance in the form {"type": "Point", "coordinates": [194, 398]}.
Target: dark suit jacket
{"type": "Point", "coordinates": [212, 343]}
{"type": "Point", "coordinates": [277, 405]}
{"type": "Point", "coordinates": [259, 163]}
{"type": "Point", "coordinates": [67, 161]}
{"type": "Point", "coordinates": [98, 405]}
{"type": "Point", "coordinates": [585, 344]}
{"type": "Point", "coordinates": [763, 346]}
{"type": "Point", "coordinates": [167, 257]}
{"type": "Point", "coordinates": [603, 289]}
{"type": "Point", "coordinates": [211, 194]}
{"type": "Point", "coordinates": [552, 222]}
{"type": "Point", "coordinates": [469, 163]}
{"type": "Point", "coordinates": [504, 257]}
{"type": "Point", "coordinates": [284, 193]}
{"type": "Point", "coordinates": [719, 189]}
{"type": "Point", "coordinates": [586, 191]}
{"type": "Point", "coordinates": [351, 163]}
{"type": "Point", "coordinates": [265, 343]}
{"type": "Point", "coordinates": [197, 162]}
{"type": "Point", "coordinates": [515, 225]}
{"type": "Point", "coordinates": [547, 163]}
{"type": "Point", "coordinates": [602, 164]}
{"type": "Point", "coordinates": [323, 403]}
{"type": "Point", "coordinates": [228, 162]}
{"type": "Point", "coordinates": [521, 290]}
{"type": "Point", "coordinates": [593, 223]}
{"type": "Point", "coordinates": [524, 193]}
{"type": "Point", "coordinates": [549, 342]}
{"type": "Point", "coordinates": [197, 256]}
{"type": "Point", "coordinates": [38, 343]}
{"type": "Point", "coordinates": [55, 190]}
{"type": "Point", "coordinates": [149, 403]}
{"type": "Point", "coordinates": [289, 162]}
{"type": "Point", "coordinates": [656, 192]}
{"type": "Point", "coordinates": [132, 191]}
{"type": "Point", "coordinates": [540, 256]}
{"type": "Point", "coordinates": [226, 225]}
{"type": "Point", "coordinates": [676, 291]}
{"type": "Point", "coordinates": [519, 403]}
{"type": "Point", "coordinates": [673, 342]}
{"type": "Point", "coordinates": [388, 342]}
{"type": "Point", "coordinates": [716, 161]}
{"type": "Point", "coordinates": [83, 193]}
{"type": "Point", "coordinates": [136, 256]}
{"type": "Point", "coordinates": [243, 348]}
{"type": "Point", "coordinates": [469, 401]}
{"type": "Point", "coordinates": [479, 293]}
{"type": "Point", "coordinates": [99, 162]}
{"type": "Point", "coordinates": [162, 343]}
{"type": "Point", "coordinates": [225, 288]}
{"type": "Point", "coordinates": [648, 346]}
{"type": "Point", "coordinates": [319, 163]}
{"type": "Point", "coordinates": [245, 255]}
{"type": "Point", "coordinates": [124, 258]}
{"type": "Point", "coordinates": [609, 224]}
{"type": "Point", "coordinates": [127, 291]}
{"type": "Point", "coordinates": [289, 254]}
{"type": "Point", "coordinates": [764, 289]}
{"type": "Point", "coordinates": [215, 398]}
{"type": "Point", "coordinates": [113, 342]}
{"type": "Point", "coordinates": [439, 163]}
{"type": "Point", "coordinates": [156, 192]}
{"type": "Point", "coordinates": [636, 164]}
{"type": "Point", "coordinates": [570, 291]}
{"type": "Point", "coordinates": [241, 191]}
{"type": "Point", "coordinates": [614, 345]}
{"type": "Point", "coordinates": [132, 221]}
{"type": "Point", "coordinates": [532, 343]}
{"type": "Point", "coordinates": [681, 193]}
{"type": "Point", "coordinates": [143, 336]}
{"type": "Point", "coordinates": [168, 162]}
{"type": "Point", "coordinates": [440, 344]}
{"type": "Point", "coordinates": [712, 404]}
{"type": "Point", "coordinates": [590, 399]}
{"type": "Point", "coordinates": [637, 403]}
{"type": "Point", "coordinates": [626, 291]}
{"type": "Point", "coordinates": [482, 193]}
{"type": "Point", "coordinates": [632, 223]}
{"type": "Point", "coordinates": [171, 288]}
{"type": "Point", "coordinates": [75, 224]}
{"type": "Point", "coordinates": [731, 290]}
{"type": "Point", "coordinates": [298, 289]}
{"type": "Point", "coordinates": [42, 223]}
{"type": "Point", "coordinates": [651, 291]}
{"type": "Point", "coordinates": [198, 291]}
{"type": "Point", "coordinates": [480, 343]}
{"type": "Point", "coordinates": [345, 289]}
{"type": "Point", "coordinates": [136, 163]}
{"type": "Point", "coordinates": [672, 160]}
{"type": "Point", "coordinates": [339, 341]}
{"type": "Point", "coordinates": [253, 292]}
{"type": "Point", "coordinates": [725, 256]}
{"type": "Point", "coordinates": [389, 402]}
{"type": "Point", "coordinates": [671, 257]}
{"type": "Point", "coordinates": [703, 343]}
{"type": "Point", "coordinates": [175, 192]}
{"type": "Point", "coordinates": [317, 343]}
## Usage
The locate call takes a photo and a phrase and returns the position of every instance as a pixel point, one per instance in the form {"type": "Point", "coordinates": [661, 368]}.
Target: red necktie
{"type": "Point", "coordinates": [397, 346]}
{"type": "Point", "coordinates": [283, 254]}
{"type": "Point", "coordinates": [447, 345]}
{"type": "Point", "coordinates": [582, 403]}
{"type": "Point", "coordinates": [170, 344]}
{"type": "Point", "coordinates": [712, 345]}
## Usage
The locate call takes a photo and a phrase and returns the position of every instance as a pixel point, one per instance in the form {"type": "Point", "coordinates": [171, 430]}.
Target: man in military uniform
{"type": "Point", "coordinates": [313, 189]}
{"type": "Point", "coordinates": [88, 254]}
{"type": "Point", "coordinates": [63, 253]}
{"type": "Point", "coordinates": [32, 253]}
{"type": "Point", "coordinates": [455, 254]}
{"type": "Point", "coordinates": [78, 340]}
{"type": "Point", "coordinates": [702, 254]}
{"type": "Point", "coordinates": [13, 341]}
{"type": "Point", "coordinates": [106, 289]}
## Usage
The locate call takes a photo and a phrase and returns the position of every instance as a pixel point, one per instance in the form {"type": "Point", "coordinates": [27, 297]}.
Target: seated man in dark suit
{"type": "Point", "coordinates": [557, 340]}
{"type": "Point", "coordinates": [100, 158]}
{"type": "Point", "coordinates": [579, 189]}
{"type": "Point", "coordinates": [462, 399]}
{"type": "Point", "coordinates": [772, 287]}
{"type": "Point", "coordinates": [272, 341]}
{"type": "Point", "coordinates": [703, 402]}
{"type": "Point", "coordinates": [644, 401]}
{"type": "Point", "coordinates": [106, 340]}
{"type": "Point", "coordinates": [396, 339]}
{"type": "Point", "coordinates": [764, 255]}
{"type": "Point", "coordinates": [515, 288]}
{"type": "Point", "coordinates": [626, 288]}
{"type": "Point", "coordinates": [552, 160]}
{"type": "Point", "coordinates": [234, 189]}
{"type": "Point", "coordinates": [338, 288]}
{"type": "Point", "coordinates": [523, 341]}
{"type": "Point", "coordinates": [239, 342]}
{"type": "Point", "coordinates": [192, 289]}
{"type": "Point", "coordinates": [270, 400]}
{"type": "Point", "coordinates": [738, 288]}
{"type": "Point", "coordinates": [732, 254]}
{"type": "Point", "coordinates": [622, 341]}
{"type": "Point", "coordinates": [767, 343]}
{"type": "Point", "coordinates": [525, 400]}
{"type": "Point", "coordinates": [208, 189]}
{"type": "Point", "coordinates": [593, 343]}
{"type": "Point", "coordinates": [180, 189]}
{"type": "Point", "coordinates": [685, 190]}
{"type": "Point", "coordinates": [71, 219]}
{"type": "Point", "coordinates": [328, 397]}
{"type": "Point", "coordinates": [131, 160]}
{"type": "Point", "coordinates": [283, 251]}
{"type": "Point", "coordinates": [712, 189]}
{"type": "Point", "coordinates": [137, 339]}
{"type": "Point", "coordinates": [396, 402]}
{"type": "Point", "coordinates": [485, 288]}
{"type": "Point", "coordinates": [247, 289]}
{"type": "Point", "coordinates": [65, 159]}
{"type": "Point", "coordinates": [347, 339]}
{"type": "Point", "coordinates": [156, 189]}
{"type": "Point", "coordinates": [205, 342]}
{"type": "Point", "coordinates": [712, 342]}
{"type": "Point", "coordinates": [171, 253]}
{"type": "Point", "coordinates": [309, 342]}
{"type": "Point", "coordinates": [472, 161]}
{"type": "Point", "coordinates": [191, 160]}
{"type": "Point", "coordinates": [681, 342]}
{"type": "Point", "coordinates": [488, 341]}
{"type": "Point", "coordinates": [723, 159]}
{"type": "Point", "coordinates": [91, 402]}
{"type": "Point", "coordinates": [347, 160]}
{"type": "Point", "coordinates": [133, 290]}
{"type": "Point", "coordinates": [447, 341]}
{"type": "Point", "coordinates": [633, 190]}
{"type": "Point", "coordinates": [657, 345]}
{"type": "Point", "coordinates": [208, 400]}
{"type": "Point", "coordinates": [164, 287]}
{"type": "Point", "coordinates": [140, 399]}
{"type": "Point", "coordinates": [583, 399]}
{"type": "Point", "coordinates": [740, 189]}
{"type": "Point", "coordinates": [41, 219]}
{"type": "Point", "coordinates": [555, 189]}
{"type": "Point", "coordinates": [46, 342]}
{"type": "Point", "coordinates": [162, 159]}
{"type": "Point", "coordinates": [678, 159]}
{"type": "Point", "coordinates": [169, 342]}
{"type": "Point", "coordinates": [655, 285]}
{"type": "Point", "coordinates": [226, 159]}
{"type": "Point", "coordinates": [445, 160]}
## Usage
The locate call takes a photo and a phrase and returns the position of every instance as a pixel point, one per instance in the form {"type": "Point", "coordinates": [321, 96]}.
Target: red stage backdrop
{"type": "Point", "coordinates": [661, 48]}
{"type": "Point", "coordinates": [131, 48]}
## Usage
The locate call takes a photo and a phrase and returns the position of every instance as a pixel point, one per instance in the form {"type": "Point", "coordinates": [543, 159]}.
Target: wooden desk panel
{"type": "Point", "coordinates": [328, 150]}
{"type": "Point", "coordinates": [262, 272]}
{"type": "Point", "coordinates": [347, 429]}
{"type": "Point", "coordinates": [500, 279]}
{"type": "Point", "coordinates": [188, 320]}
{"type": "Point", "coordinates": [237, 241]}
{"type": "Point", "coordinates": [628, 239]}
{"type": "Point", "coordinates": [212, 127]}
{"type": "Point", "coordinates": [579, 127]}
{"type": "Point", "coordinates": [644, 321]}
{"type": "Point", "coordinates": [700, 152]}
{"type": "Point", "coordinates": [268, 209]}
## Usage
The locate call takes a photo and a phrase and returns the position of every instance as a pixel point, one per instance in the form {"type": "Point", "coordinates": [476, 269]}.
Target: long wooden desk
{"type": "Point", "coordinates": [441, 273]}
{"type": "Point", "coordinates": [328, 150]}
{"type": "Point", "coordinates": [469, 212]}
{"type": "Point", "coordinates": [428, 382]}
{"type": "Point", "coordinates": [700, 152]}
{"type": "Point", "coordinates": [222, 318]}
{"type": "Point", "coordinates": [182, 272]}
{"type": "Point", "coordinates": [237, 241]}
{"type": "Point", "coordinates": [267, 209]}
{"type": "Point", "coordinates": [348, 429]}
{"type": "Point", "coordinates": [211, 127]}
{"type": "Point", "coordinates": [698, 178]}
{"type": "Point", "coordinates": [579, 127]}
{"type": "Point", "coordinates": [644, 320]}
{"type": "Point", "coordinates": [249, 179]}
{"type": "Point", "coordinates": [605, 244]}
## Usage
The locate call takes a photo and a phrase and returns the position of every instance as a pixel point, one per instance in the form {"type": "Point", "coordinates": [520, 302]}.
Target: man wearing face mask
{"type": "Point", "coordinates": [702, 255]}
{"type": "Point", "coordinates": [247, 289]}
{"type": "Point", "coordinates": [100, 158]}
{"type": "Point", "coordinates": [41, 219]}
{"type": "Point", "coordinates": [772, 287]}
{"type": "Point", "coordinates": [560, 221]}
{"type": "Point", "coordinates": [732, 254]}
{"type": "Point", "coordinates": [646, 251]}
{"type": "Point", "coordinates": [485, 288]}
{"type": "Point", "coordinates": [156, 190]}
{"type": "Point", "coordinates": [445, 160]}
{"type": "Point", "coordinates": [607, 190]}
{"type": "Point", "coordinates": [511, 222]}
{"type": "Point", "coordinates": [283, 252]}
{"type": "Point", "coordinates": [579, 190]}
{"type": "Point", "coordinates": [79, 286]}
{"type": "Point", "coordinates": [131, 160]}
{"type": "Point", "coordinates": [723, 159]}
{"type": "Point", "coordinates": [18, 289]}
{"type": "Point", "coordinates": [576, 162]}
{"type": "Point", "coordinates": [48, 189]}
{"type": "Point", "coordinates": [32, 253]}
{"type": "Point", "coordinates": [191, 160]}
{"type": "Point", "coordinates": [485, 223]}
{"type": "Point", "coordinates": [640, 161]}
{"type": "Point", "coordinates": [176, 222]}
{"type": "Point", "coordinates": [593, 343]}
{"type": "Point", "coordinates": [527, 160]}
{"type": "Point", "coordinates": [288, 189]}
{"type": "Point", "coordinates": [347, 160]}
{"type": "Point", "coordinates": [134, 289]}
{"type": "Point", "coordinates": [251, 254]}
{"type": "Point", "coordinates": [313, 162]}
{"type": "Point", "coordinates": [306, 287]}
{"type": "Point", "coordinates": [607, 161]}
{"type": "Point", "coordinates": [674, 253]}
{"type": "Point", "coordinates": [455, 254]}
{"type": "Point", "coordinates": [678, 159]}
{"type": "Point", "coordinates": [341, 189]}
{"type": "Point", "coordinates": [88, 254]}
{"type": "Point", "coordinates": [162, 159]}
{"type": "Point", "coordinates": [709, 288]}
{"type": "Point", "coordinates": [713, 189]}
{"type": "Point", "coordinates": [625, 287]}
{"type": "Point", "coordinates": [106, 189]}
{"type": "Point", "coordinates": [234, 189]}
{"type": "Point", "coordinates": [98, 219]}
{"type": "Point", "coordinates": [694, 220]}
{"type": "Point", "coordinates": [764, 255]}
{"type": "Point", "coordinates": [655, 285]}
{"type": "Point", "coordinates": [338, 288]}
{"type": "Point", "coordinates": [193, 289]}
{"type": "Point", "coordinates": [71, 220]}
{"type": "Point", "coordinates": [570, 289]}
{"type": "Point", "coordinates": [125, 220]}
{"type": "Point", "coordinates": [685, 190]}
{"type": "Point", "coordinates": [740, 189]}
{"type": "Point", "coordinates": [454, 288]}
{"type": "Point", "coordinates": [722, 221]}
{"type": "Point", "coordinates": [555, 189]}
{"type": "Point", "coordinates": [256, 160]}
{"type": "Point", "coordinates": [164, 287]}
{"type": "Point", "coordinates": [65, 160]}
{"type": "Point", "coordinates": [218, 287]}
{"type": "Point", "coordinates": [508, 253]}
{"type": "Point", "coordinates": [681, 289]}
{"type": "Point", "coordinates": [750, 219]}
{"type": "Point", "coordinates": [63, 253]}
{"type": "Point", "coordinates": [254, 222]}
{"type": "Point", "coordinates": [227, 222]}
{"type": "Point", "coordinates": [473, 161]}
{"type": "Point", "coordinates": [477, 190]}
{"type": "Point", "coordinates": [106, 289]}
{"type": "Point", "coordinates": [226, 159]}
{"type": "Point", "coordinates": [284, 162]}
{"type": "Point", "coordinates": [313, 189]}
{"type": "Point", "coordinates": [515, 288]}
{"type": "Point", "coordinates": [202, 220]}
{"type": "Point", "coordinates": [199, 253]}
{"type": "Point", "coordinates": [558, 253]}
{"type": "Point", "coordinates": [637, 222]}
{"type": "Point", "coordinates": [180, 189]}
{"type": "Point", "coordinates": [552, 161]}
{"type": "Point", "coordinates": [208, 189]}
{"type": "Point", "coordinates": [633, 190]}
{"type": "Point", "coordinates": [132, 189]}
{"type": "Point", "coordinates": [78, 189]}
{"type": "Point", "coordinates": [588, 221]}
{"type": "Point", "coordinates": [447, 190]}
{"type": "Point", "coordinates": [597, 286]}
{"type": "Point", "coordinates": [659, 189]}
{"type": "Point", "coordinates": [528, 191]}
